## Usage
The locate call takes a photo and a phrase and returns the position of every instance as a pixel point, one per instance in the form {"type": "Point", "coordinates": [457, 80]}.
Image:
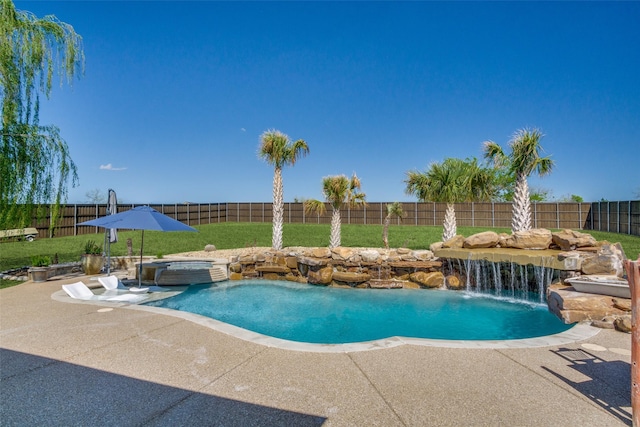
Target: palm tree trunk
{"type": "Point", "coordinates": [450, 228]}
{"type": "Point", "coordinates": [278, 209]}
{"type": "Point", "coordinates": [385, 231]}
{"type": "Point", "coordinates": [336, 221]}
{"type": "Point", "coordinates": [521, 213]}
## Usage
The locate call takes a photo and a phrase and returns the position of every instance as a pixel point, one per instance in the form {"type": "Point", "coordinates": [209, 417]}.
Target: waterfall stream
{"type": "Point", "coordinates": [504, 279]}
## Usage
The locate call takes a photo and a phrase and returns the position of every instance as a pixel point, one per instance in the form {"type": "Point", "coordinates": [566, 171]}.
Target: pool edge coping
{"type": "Point", "coordinates": [579, 332]}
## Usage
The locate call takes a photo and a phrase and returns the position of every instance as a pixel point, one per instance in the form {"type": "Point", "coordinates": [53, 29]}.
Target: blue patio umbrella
{"type": "Point", "coordinates": [139, 218]}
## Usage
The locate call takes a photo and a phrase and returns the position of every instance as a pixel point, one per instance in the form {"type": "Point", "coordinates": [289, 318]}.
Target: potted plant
{"type": "Point", "coordinates": [92, 259]}
{"type": "Point", "coordinates": [39, 270]}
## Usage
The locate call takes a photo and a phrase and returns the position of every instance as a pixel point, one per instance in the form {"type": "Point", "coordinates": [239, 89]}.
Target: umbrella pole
{"type": "Point", "coordinates": [108, 236]}
{"type": "Point", "coordinates": [140, 272]}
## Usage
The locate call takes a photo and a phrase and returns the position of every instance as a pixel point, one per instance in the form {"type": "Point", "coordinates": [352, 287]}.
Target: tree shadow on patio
{"type": "Point", "coordinates": [41, 391]}
{"type": "Point", "coordinates": [608, 384]}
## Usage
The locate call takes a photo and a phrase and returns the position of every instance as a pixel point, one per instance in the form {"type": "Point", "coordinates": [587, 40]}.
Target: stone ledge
{"type": "Point", "coordinates": [572, 306]}
{"type": "Point", "coordinates": [281, 269]}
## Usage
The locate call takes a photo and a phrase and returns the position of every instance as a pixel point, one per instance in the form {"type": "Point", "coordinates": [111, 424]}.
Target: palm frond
{"type": "Point", "coordinates": [312, 206]}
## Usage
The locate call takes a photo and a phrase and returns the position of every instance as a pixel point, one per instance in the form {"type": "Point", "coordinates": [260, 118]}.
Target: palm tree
{"type": "Point", "coordinates": [452, 181]}
{"type": "Point", "coordinates": [393, 209]}
{"type": "Point", "coordinates": [338, 190]}
{"type": "Point", "coordinates": [523, 160]}
{"type": "Point", "coordinates": [278, 150]}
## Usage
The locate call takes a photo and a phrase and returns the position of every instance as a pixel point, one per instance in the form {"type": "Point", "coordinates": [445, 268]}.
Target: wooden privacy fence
{"type": "Point", "coordinates": [618, 217]}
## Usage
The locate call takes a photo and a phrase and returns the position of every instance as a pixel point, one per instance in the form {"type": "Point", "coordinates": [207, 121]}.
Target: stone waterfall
{"type": "Point", "coordinates": [504, 279]}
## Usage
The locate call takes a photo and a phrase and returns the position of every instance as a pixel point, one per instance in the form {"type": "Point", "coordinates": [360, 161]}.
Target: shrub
{"type": "Point", "coordinates": [92, 248]}
{"type": "Point", "coordinates": [40, 261]}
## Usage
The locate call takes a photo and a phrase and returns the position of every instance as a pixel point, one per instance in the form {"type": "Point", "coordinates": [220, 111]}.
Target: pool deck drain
{"type": "Point", "coordinates": [73, 364]}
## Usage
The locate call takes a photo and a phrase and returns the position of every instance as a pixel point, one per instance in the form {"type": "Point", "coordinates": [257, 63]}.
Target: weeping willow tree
{"type": "Point", "coordinates": [35, 164]}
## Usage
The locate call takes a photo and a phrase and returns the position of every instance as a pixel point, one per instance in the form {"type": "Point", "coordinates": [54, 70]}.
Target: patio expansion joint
{"type": "Point", "coordinates": [389, 405]}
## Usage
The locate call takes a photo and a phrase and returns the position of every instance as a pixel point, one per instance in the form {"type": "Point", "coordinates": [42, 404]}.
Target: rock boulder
{"type": "Point", "coordinates": [486, 239]}
{"type": "Point", "coordinates": [320, 277]}
{"type": "Point", "coordinates": [623, 324]}
{"type": "Point", "coordinates": [341, 253]}
{"type": "Point", "coordinates": [370, 255]}
{"type": "Point", "coordinates": [607, 261]}
{"type": "Point", "coordinates": [349, 277]}
{"type": "Point", "coordinates": [569, 240]}
{"type": "Point", "coordinates": [536, 238]}
{"type": "Point", "coordinates": [321, 252]}
{"type": "Point", "coordinates": [422, 255]}
{"type": "Point", "coordinates": [456, 242]}
{"type": "Point", "coordinates": [433, 279]}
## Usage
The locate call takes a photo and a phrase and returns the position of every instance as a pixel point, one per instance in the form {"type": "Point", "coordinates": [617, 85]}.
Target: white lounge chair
{"type": "Point", "coordinates": [80, 291]}
{"type": "Point", "coordinates": [112, 283]}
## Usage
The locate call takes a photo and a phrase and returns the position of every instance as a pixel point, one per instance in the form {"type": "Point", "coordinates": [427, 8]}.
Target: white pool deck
{"type": "Point", "coordinates": [65, 362]}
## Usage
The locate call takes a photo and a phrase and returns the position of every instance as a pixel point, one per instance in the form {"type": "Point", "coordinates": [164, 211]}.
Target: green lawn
{"type": "Point", "coordinates": [238, 235]}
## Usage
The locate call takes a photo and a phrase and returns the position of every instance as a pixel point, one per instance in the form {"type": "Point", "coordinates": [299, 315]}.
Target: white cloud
{"type": "Point", "coordinates": [109, 167]}
{"type": "Point", "coordinates": [243, 129]}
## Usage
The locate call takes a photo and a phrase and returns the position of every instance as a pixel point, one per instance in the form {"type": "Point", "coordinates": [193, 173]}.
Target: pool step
{"type": "Point", "coordinates": [168, 277]}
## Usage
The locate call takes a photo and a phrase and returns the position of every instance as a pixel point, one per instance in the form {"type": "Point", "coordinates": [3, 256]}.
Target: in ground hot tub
{"type": "Point", "coordinates": [184, 272]}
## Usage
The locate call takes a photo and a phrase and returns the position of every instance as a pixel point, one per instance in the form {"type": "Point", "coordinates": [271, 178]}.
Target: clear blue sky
{"type": "Point", "coordinates": [176, 94]}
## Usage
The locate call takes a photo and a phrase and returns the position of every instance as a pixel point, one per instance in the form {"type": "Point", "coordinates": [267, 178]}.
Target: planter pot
{"type": "Point", "coordinates": [39, 274]}
{"type": "Point", "coordinates": [91, 264]}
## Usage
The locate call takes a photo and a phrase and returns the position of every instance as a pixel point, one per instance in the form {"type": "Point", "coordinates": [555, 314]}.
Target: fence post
{"type": "Point", "coordinates": [434, 214]}
{"type": "Point", "coordinates": [557, 215]}
{"type": "Point", "coordinates": [493, 214]}
{"type": "Point", "coordinates": [473, 215]}
{"type": "Point", "coordinates": [618, 221]}
{"type": "Point", "coordinates": [580, 216]}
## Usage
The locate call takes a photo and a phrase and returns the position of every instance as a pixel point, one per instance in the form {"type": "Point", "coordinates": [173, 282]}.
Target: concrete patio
{"type": "Point", "coordinates": [70, 364]}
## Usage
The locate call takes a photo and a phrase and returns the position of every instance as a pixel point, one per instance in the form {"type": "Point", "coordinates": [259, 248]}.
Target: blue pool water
{"type": "Point", "coordinates": [313, 314]}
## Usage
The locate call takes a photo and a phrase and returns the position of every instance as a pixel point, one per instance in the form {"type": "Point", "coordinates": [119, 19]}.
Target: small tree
{"type": "Point", "coordinates": [338, 190]}
{"type": "Point", "coordinates": [393, 209]}
{"type": "Point", "coordinates": [523, 160]}
{"type": "Point", "coordinates": [277, 149]}
{"type": "Point", "coordinates": [452, 181]}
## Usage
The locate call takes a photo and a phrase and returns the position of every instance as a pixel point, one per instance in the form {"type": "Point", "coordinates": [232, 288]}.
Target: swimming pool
{"type": "Point", "coordinates": [325, 315]}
